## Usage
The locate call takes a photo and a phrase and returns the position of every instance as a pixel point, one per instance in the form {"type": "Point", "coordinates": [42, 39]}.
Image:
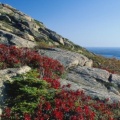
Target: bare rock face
{"type": "Point", "coordinates": [116, 79]}
{"type": "Point", "coordinates": [6, 74]}
{"type": "Point", "coordinates": [28, 37]}
{"type": "Point", "coordinates": [67, 58]}
{"type": "Point", "coordinates": [94, 82]}
{"type": "Point", "coordinates": [92, 72]}
{"type": "Point", "coordinates": [56, 37]}
{"type": "Point", "coordinates": [5, 8]}
{"type": "Point", "coordinates": [89, 63]}
{"type": "Point", "coordinates": [16, 22]}
{"type": "Point", "coordinates": [20, 22]}
{"type": "Point", "coordinates": [11, 39]}
{"type": "Point", "coordinates": [5, 17]}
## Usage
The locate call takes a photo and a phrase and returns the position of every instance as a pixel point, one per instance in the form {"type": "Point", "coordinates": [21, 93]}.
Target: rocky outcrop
{"type": "Point", "coordinates": [116, 79]}
{"type": "Point", "coordinates": [5, 18]}
{"type": "Point", "coordinates": [26, 27]}
{"type": "Point", "coordinates": [5, 8]}
{"type": "Point", "coordinates": [6, 74]}
{"type": "Point", "coordinates": [92, 72]}
{"type": "Point", "coordinates": [67, 58]}
{"type": "Point", "coordinates": [23, 27]}
{"type": "Point", "coordinates": [93, 81]}
{"type": "Point", "coordinates": [55, 37]}
{"type": "Point", "coordinates": [11, 39]}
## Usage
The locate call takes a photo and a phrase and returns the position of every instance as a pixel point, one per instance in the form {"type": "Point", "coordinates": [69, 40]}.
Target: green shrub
{"type": "Point", "coordinates": [25, 92]}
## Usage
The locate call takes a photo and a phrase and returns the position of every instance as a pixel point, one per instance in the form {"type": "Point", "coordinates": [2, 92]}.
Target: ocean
{"type": "Point", "coordinates": [108, 52]}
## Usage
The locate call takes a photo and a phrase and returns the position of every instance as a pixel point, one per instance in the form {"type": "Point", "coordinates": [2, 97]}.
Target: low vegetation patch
{"type": "Point", "coordinates": [25, 91]}
{"type": "Point", "coordinates": [10, 56]}
{"type": "Point", "coordinates": [37, 95]}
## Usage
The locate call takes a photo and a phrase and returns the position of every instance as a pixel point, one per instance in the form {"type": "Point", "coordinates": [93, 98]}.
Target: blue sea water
{"type": "Point", "coordinates": [108, 52]}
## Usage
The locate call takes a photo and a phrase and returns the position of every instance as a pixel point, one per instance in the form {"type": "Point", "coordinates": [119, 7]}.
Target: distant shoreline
{"type": "Point", "coordinates": [108, 52]}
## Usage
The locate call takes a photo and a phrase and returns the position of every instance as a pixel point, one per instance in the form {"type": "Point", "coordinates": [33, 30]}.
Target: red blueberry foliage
{"type": "Point", "coordinates": [10, 56]}
{"type": "Point", "coordinates": [66, 105]}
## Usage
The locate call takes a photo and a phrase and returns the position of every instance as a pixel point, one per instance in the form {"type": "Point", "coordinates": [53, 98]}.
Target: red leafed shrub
{"type": "Point", "coordinates": [54, 82]}
{"type": "Point", "coordinates": [70, 105]}
{"type": "Point", "coordinates": [27, 117]}
{"type": "Point", "coordinates": [10, 56]}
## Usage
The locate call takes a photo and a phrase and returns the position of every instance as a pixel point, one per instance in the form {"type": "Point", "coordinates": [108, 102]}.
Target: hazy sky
{"type": "Point", "coordinates": [93, 23]}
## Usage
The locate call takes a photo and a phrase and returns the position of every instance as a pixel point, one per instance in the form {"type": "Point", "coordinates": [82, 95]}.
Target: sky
{"type": "Point", "coordinates": [88, 23]}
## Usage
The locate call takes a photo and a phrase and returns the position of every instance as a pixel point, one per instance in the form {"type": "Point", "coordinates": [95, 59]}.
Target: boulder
{"type": "Point", "coordinates": [89, 63]}
{"type": "Point", "coordinates": [38, 36]}
{"type": "Point", "coordinates": [67, 58]}
{"type": "Point", "coordinates": [11, 39]}
{"type": "Point", "coordinates": [52, 35]}
{"type": "Point", "coordinates": [56, 37]}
